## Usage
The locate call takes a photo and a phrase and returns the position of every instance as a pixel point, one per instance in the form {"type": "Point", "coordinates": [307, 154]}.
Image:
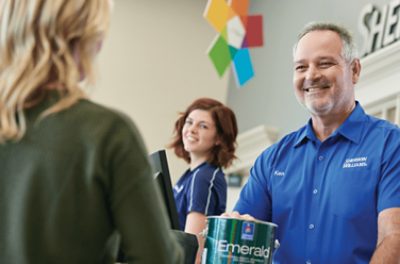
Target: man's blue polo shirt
{"type": "Point", "coordinates": [326, 196]}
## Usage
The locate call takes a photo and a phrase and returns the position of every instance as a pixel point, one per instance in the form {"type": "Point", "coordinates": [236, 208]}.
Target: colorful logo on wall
{"type": "Point", "coordinates": [237, 33]}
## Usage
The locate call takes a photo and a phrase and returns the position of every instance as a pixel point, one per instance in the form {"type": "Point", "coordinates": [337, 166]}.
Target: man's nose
{"type": "Point", "coordinates": [313, 73]}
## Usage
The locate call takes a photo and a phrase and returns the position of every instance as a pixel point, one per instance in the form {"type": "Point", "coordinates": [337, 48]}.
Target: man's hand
{"type": "Point", "coordinates": [236, 215]}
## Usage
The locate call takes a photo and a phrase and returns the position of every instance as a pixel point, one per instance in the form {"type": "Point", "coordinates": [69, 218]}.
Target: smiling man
{"type": "Point", "coordinates": [336, 198]}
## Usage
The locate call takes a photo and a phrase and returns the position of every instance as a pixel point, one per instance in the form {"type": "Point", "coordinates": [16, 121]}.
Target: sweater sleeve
{"type": "Point", "coordinates": [135, 202]}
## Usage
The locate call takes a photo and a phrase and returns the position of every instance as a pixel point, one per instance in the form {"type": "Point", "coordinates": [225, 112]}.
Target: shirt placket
{"type": "Point", "coordinates": [314, 225]}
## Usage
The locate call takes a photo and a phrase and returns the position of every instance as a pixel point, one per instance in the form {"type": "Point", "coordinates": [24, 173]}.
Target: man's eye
{"type": "Point", "coordinates": [300, 68]}
{"type": "Point", "coordinates": [326, 64]}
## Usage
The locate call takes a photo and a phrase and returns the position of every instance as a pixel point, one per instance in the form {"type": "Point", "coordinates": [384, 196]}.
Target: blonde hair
{"type": "Point", "coordinates": [46, 43]}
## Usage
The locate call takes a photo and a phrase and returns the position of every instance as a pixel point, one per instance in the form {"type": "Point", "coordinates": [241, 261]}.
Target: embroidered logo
{"type": "Point", "coordinates": [279, 173]}
{"type": "Point", "coordinates": [355, 162]}
{"type": "Point", "coordinates": [178, 189]}
{"type": "Point", "coordinates": [247, 230]}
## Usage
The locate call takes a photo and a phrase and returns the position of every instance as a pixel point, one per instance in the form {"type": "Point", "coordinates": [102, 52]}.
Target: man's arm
{"type": "Point", "coordinates": [388, 246]}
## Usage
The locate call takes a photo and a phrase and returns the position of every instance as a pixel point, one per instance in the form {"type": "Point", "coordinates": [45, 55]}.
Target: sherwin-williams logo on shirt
{"type": "Point", "coordinates": [355, 162]}
{"type": "Point", "coordinates": [247, 230]}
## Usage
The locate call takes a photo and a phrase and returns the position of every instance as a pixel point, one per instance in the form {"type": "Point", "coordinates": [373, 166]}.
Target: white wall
{"type": "Point", "coordinates": [154, 63]}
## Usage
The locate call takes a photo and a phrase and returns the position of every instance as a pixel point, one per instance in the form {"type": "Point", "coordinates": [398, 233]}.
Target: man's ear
{"type": "Point", "coordinates": [355, 70]}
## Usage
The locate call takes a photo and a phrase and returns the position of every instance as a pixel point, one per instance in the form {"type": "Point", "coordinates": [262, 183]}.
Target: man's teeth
{"type": "Point", "coordinates": [312, 89]}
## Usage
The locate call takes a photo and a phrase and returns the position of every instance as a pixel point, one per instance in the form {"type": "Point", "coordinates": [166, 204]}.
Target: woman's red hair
{"type": "Point", "coordinates": [222, 154]}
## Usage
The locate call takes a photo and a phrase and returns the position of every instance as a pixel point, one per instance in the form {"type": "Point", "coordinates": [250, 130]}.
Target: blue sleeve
{"type": "Point", "coordinates": [203, 196]}
{"type": "Point", "coordinates": [255, 197]}
{"type": "Point", "coordinates": [389, 185]}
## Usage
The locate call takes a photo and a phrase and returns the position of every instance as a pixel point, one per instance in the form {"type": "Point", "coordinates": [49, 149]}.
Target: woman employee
{"type": "Point", "coordinates": [204, 136]}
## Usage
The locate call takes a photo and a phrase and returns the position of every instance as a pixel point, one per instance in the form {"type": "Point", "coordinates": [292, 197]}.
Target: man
{"type": "Point", "coordinates": [333, 186]}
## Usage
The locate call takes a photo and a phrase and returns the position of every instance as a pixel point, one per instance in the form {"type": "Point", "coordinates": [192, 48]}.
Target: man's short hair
{"type": "Point", "coordinates": [349, 51]}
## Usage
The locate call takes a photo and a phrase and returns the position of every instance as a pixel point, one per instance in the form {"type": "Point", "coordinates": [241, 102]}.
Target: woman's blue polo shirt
{"type": "Point", "coordinates": [201, 190]}
{"type": "Point", "coordinates": [326, 196]}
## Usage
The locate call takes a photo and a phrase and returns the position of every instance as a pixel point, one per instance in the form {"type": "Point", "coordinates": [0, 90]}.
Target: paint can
{"type": "Point", "coordinates": [238, 241]}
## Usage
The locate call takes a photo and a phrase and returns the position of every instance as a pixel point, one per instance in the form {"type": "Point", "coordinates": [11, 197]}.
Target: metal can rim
{"type": "Point", "coordinates": [234, 218]}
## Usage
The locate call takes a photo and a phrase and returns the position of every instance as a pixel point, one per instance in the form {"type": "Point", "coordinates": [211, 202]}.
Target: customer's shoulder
{"type": "Point", "coordinates": [98, 112]}
{"type": "Point", "coordinates": [97, 118]}
{"type": "Point", "coordinates": [93, 109]}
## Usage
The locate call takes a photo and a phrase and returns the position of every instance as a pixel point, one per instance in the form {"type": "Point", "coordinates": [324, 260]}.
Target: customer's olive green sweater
{"type": "Point", "coordinates": [74, 179]}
